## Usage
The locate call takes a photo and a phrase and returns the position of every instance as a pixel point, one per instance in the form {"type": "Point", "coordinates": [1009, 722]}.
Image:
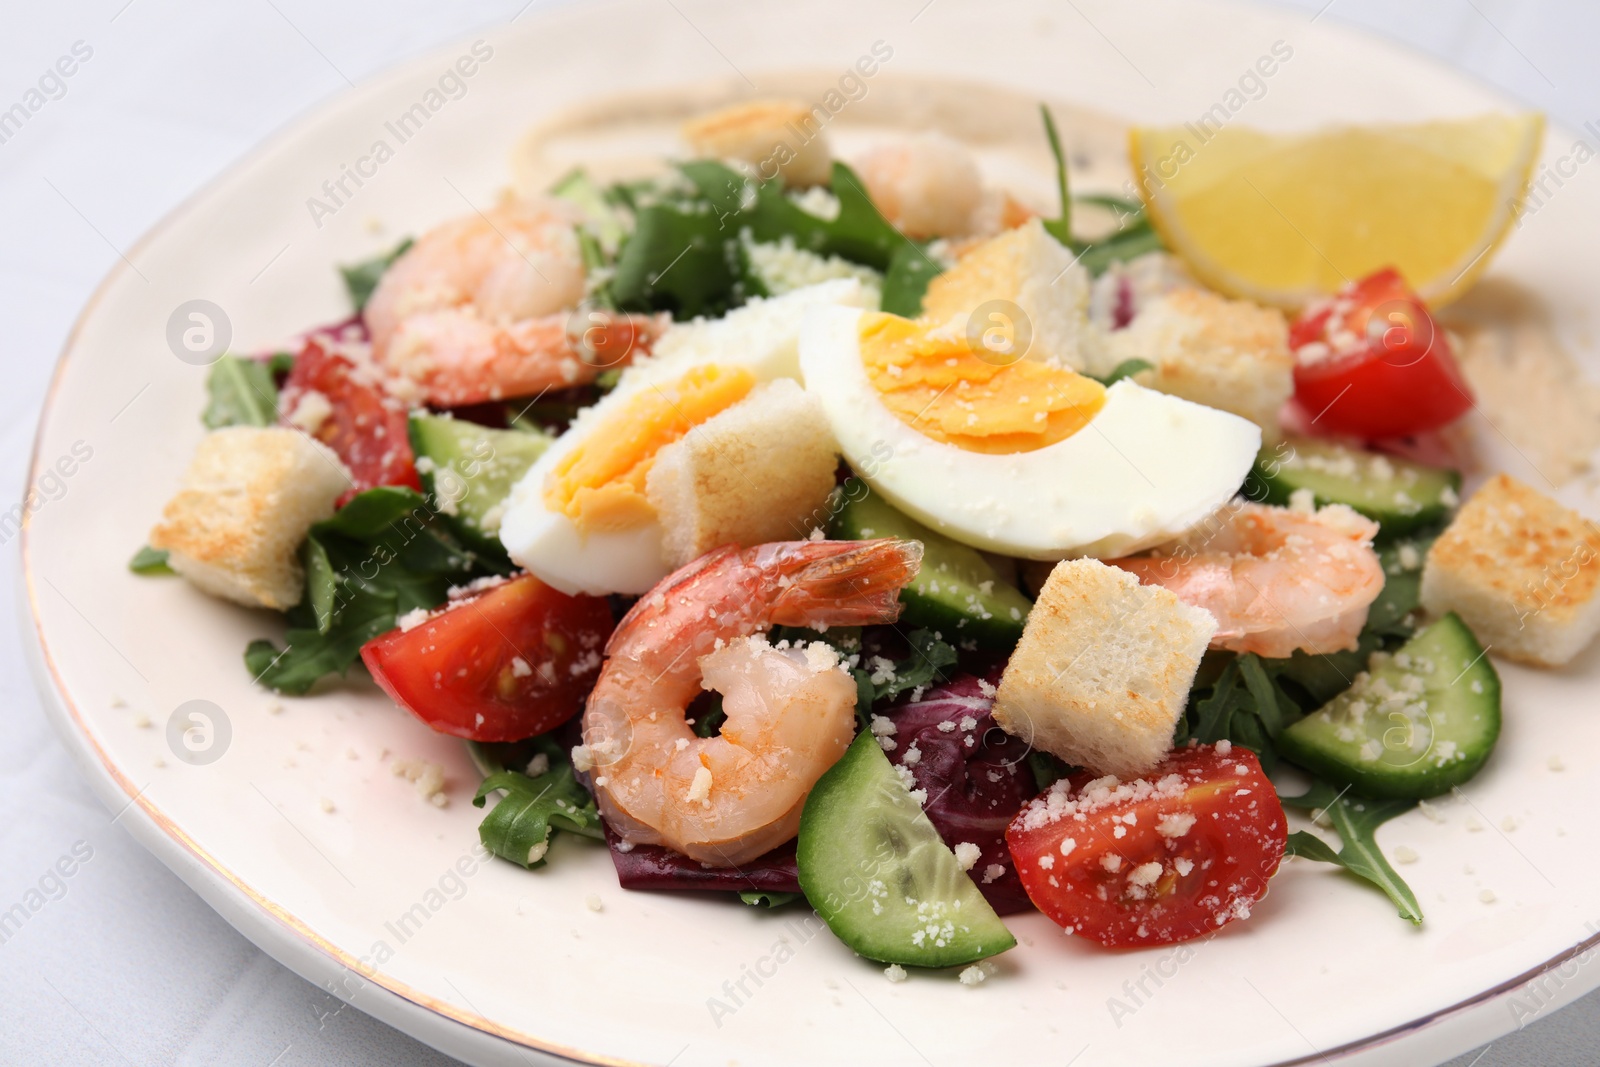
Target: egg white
{"type": "Point", "coordinates": [1146, 468]}
{"type": "Point", "coordinates": [762, 336]}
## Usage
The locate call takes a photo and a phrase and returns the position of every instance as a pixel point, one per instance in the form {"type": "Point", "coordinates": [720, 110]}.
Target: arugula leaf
{"type": "Point", "coordinates": [1356, 821]}
{"type": "Point", "coordinates": [1126, 369]}
{"type": "Point", "coordinates": [1135, 240]}
{"type": "Point", "coordinates": [768, 898]}
{"type": "Point", "coordinates": [242, 393]}
{"type": "Point", "coordinates": [708, 721]}
{"type": "Point", "coordinates": [1246, 704]}
{"type": "Point", "coordinates": [687, 250]}
{"type": "Point", "coordinates": [150, 561]}
{"type": "Point", "coordinates": [387, 552]}
{"type": "Point", "coordinates": [1060, 229]}
{"type": "Point", "coordinates": [677, 259]}
{"type": "Point", "coordinates": [927, 665]}
{"type": "Point", "coordinates": [360, 279]}
{"type": "Point", "coordinates": [1402, 589]}
{"type": "Point", "coordinates": [1134, 237]}
{"type": "Point", "coordinates": [860, 233]}
{"type": "Point", "coordinates": [906, 281]}
{"type": "Point", "coordinates": [1047, 769]}
{"type": "Point", "coordinates": [518, 828]}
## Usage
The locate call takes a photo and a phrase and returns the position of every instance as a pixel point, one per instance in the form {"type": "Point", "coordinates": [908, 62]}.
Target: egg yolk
{"type": "Point", "coordinates": [935, 383]}
{"type": "Point", "coordinates": [599, 485]}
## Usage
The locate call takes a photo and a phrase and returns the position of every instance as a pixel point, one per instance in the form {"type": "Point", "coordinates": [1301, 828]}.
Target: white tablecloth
{"type": "Point", "coordinates": [128, 966]}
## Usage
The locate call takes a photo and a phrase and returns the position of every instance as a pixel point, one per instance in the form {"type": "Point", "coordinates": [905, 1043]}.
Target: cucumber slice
{"type": "Point", "coordinates": [957, 592]}
{"type": "Point", "coordinates": [1400, 496]}
{"type": "Point", "coordinates": [471, 468]}
{"type": "Point", "coordinates": [1414, 725]}
{"type": "Point", "coordinates": [880, 876]}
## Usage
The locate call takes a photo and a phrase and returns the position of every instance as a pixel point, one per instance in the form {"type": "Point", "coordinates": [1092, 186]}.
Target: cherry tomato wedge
{"type": "Point", "coordinates": [509, 663]}
{"type": "Point", "coordinates": [1154, 861]}
{"type": "Point", "coordinates": [365, 427]}
{"type": "Point", "coordinates": [1370, 362]}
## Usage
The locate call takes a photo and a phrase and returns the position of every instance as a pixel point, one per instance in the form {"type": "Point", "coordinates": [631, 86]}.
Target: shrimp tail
{"type": "Point", "coordinates": [784, 583]}
{"type": "Point", "coordinates": [842, 583]}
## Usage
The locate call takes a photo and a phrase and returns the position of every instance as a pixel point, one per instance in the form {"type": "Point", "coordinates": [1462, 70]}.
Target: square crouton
{"type": "Point", "coordinates": [248, 498]}
{"type": "Point", "coordinates": [1026, 268]}
{"type": "Point", "coordinates": [775, 137]}
{"type": "Point", "coordinates": [759, 471]}
{"type": "Point", "coordinates": [1227, 354]}
{"type": "Point", "coordinates": [1522, 571]}
{"type": "Point", "coordinates": [1103, 671]}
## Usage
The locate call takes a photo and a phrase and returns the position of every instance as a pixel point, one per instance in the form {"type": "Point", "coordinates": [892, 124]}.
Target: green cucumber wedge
{"type": "Point", "coordinates": [956, 593]}
{"type": "Point", "coordinates": [470, 469]}
{"type": "Point", "coordinates": [1414, 724]}
{"type": "Point", "coordinates": [1400, 496]}
{"type": "Point", "coordinates": [880, 876]}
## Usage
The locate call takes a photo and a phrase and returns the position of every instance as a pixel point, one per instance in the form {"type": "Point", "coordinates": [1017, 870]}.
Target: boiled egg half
{"type": "Point", "coordinates": [1025, 457]}
{"type": "Point", "coordinates": [579, 519]}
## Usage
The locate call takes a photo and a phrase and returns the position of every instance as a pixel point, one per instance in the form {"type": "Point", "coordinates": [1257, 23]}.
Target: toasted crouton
{"type": "Point", "coordinates": [779, 138]}
{"type": "Point", "coordinates": [1030, 269]}
{"type": "Point", "coordinates": [759, 471]}
{"type": "Point", "coordinates": [1227, 354]}
{"type": "Point", "coordinates": [1103, 670]}
{"type": "Point", "coordinates": [1522, 571]}
{"type": "Point", "coordinates": [248, 498]}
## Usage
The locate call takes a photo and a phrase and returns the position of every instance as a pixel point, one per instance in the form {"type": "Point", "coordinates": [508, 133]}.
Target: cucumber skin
{"type": "Point", "coordinates": [934, 611]}
{"type": "Point", "coordinates": [1404, 784]}
{"type": "Point", "coordinates": [423, 431]}
{"type": "Point", "coordinates": [1264, 486]}
{"type": "Point", "coordinates": [815, 850]}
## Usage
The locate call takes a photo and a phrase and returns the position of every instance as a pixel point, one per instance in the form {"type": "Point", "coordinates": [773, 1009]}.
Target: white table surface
{"type": "Point", "coordinates": [129, 966]}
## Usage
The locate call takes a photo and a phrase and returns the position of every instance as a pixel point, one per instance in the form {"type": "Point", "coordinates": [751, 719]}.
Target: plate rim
{"type": "Point", "coordinates": [291, 942]}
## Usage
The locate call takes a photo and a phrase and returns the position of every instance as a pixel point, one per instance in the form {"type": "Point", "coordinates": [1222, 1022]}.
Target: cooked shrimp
{"type": "Point", "coordinates": [1277, 579]}
{"type": "Point", "coordinates": [725, 800]}
{"type": "Point", "coordinates": [927, 185]}
{"type": "Point", "coordinates": [481, 308]}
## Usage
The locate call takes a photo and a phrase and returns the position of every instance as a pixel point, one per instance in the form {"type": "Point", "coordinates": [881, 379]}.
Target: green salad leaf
{"type": "Point", "coordinates": [1393, 614]}
{"type": "Point", "coordinates": [1060, 228]}
{"type": "Point", "coordinates": [1245, 703]}
{"type": "Point", "coordinates": [687, 252]}
{"type": "Point", "coordinates": [1134, 235]}
{"type": "Point", "coordinates": [1126, 369]}
{"type": "Point", "coordinates": [1356, 820]}
{"type": "Point", "coordinates": [150, 561]}
{"type": "Point", "coordinates": [360, 279]}
{"type": "Point", "coordinates": [678, 259]}
{"type": "Point", "coordinates": [387, 552]}
{"type": "Point", "coordinates": [905, 283]}
{"type": "Point", "coordinates": [240, 392]}
{"type": "Point", "coordinates": [928, 663]}
{"type": "Point", "coordinates": [519, 827]}
{"type": "Point", "coordinates": [766, 898]}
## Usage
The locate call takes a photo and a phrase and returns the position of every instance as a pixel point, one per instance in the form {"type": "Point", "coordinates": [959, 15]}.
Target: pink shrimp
{"type": "Point", "coordinates": [726, 799]}
{"type": "Point", "coordinates": [1277, 579]}
{"type": "Point", "coordinates": [484, 307]}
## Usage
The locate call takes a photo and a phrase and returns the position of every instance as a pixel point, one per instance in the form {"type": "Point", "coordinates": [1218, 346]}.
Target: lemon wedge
{"type": "Point", "coordinates": [1283, 219]}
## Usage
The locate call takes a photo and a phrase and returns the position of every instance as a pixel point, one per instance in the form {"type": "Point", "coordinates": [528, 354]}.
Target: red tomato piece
{"type": "Point", "coordinates": [1372, 363]}
{"type": "Point", "coordinates": [509, 663]}
{"type": "Point", "coordinates": [1154, 861]}
{"type": "Point", "coordinates": [365, 426]}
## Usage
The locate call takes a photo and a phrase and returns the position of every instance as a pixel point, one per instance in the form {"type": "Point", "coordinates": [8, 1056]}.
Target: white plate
{"type": "Point", "coordinates": [506, 956]}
